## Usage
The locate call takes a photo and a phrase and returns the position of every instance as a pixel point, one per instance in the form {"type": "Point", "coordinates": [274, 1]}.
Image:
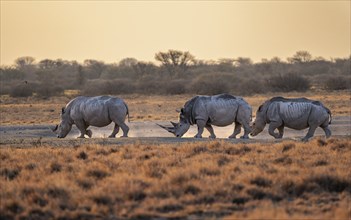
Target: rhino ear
{"type": "Point", "coordinates": [55, 128]}
{"type": "Point", "coordinates": [180, 110]}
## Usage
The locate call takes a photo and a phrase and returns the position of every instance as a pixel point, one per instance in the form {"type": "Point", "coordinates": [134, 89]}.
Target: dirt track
{"type": "Point", "coordinates": [148, 132]}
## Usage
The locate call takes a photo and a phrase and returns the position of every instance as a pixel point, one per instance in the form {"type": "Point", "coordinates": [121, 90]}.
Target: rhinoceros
{"type": "Point", "coordinates": [220, 110]}
{"type": "Point", "coordinates": [296, 113]}
{"type": "Point", "coordinates": [96, 111]}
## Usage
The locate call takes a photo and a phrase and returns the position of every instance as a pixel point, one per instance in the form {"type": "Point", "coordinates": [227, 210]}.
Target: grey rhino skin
{"type": "Point", "coordinates": [97, 111]}
{"type": "Point", "coordinates": [220, 110]}
{"type": "Point", "coordinates": [297, 113]}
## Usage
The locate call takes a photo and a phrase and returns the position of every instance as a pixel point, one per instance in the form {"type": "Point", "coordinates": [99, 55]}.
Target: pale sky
{"type": "Point", "coordinates": [112, 30]}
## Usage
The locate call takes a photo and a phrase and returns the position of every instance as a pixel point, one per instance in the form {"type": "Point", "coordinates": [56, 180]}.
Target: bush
{"type": "Point", "coordinates": [250, 87]}
{"type": "Point", "coordinates": [150, 87]}
{"type": "Point", "coordinates": [48, 90]}
{"type": "Point", "coordinates": [287, 83]}
{"type": "Point", "coordinates": [211, 84]}
{"type": "Point", "coordinates": [9, 73]}
{"type": "Point", "coordinates": [337, 83]}
{"type": "Point", "coordinates": [108, 87]}
{"type": "Point", "coordinates": [175, 87]}
{"type": "Point", "coordinates": [5, 89]}
{"type": "Point", "coordinates": [22, 90]}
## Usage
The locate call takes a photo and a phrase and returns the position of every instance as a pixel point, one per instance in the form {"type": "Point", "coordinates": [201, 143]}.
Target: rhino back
{"type": "Point", "coordinates": [219, 110]}
{"type": "Point", "coordinates": [96, 111]}
{"type": "Point", "coordinates": [293, 114]}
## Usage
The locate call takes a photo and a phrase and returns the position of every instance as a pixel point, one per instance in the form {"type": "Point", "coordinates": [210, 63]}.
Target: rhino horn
{"type": "Point", "coordinates": [169, 129]}
{"type": "Point", "coordinates": [174, 124]}
{"type": "Point", "coordinates": [55, 128]}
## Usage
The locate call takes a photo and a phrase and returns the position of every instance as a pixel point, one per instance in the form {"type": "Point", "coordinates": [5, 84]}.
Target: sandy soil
{"type": "Point", "coordinates": [148, 131]}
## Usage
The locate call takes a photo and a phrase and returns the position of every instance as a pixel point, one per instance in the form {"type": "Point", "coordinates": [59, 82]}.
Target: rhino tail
{"type": "Point", "coordinates": [330, 114]}
{"type": "Point", "coordinates": [127, 112]}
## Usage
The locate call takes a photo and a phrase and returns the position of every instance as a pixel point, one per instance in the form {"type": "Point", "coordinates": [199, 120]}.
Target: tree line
{"type": "Point", "coordinates": [175, 72]}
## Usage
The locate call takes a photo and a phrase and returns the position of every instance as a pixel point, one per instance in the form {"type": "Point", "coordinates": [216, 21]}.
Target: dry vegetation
{"type": "Point", "coordinates": [34, 110]}
{"type": "Point", "coordinates": [216, 179]}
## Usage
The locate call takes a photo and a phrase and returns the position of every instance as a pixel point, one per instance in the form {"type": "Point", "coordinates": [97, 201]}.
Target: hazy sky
{"type": "Point", "coordinates": [113, 30]}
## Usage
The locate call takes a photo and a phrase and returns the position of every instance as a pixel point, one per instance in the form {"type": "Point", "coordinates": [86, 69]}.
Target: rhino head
{"type": "Point", "coordinates": [260, 121]}
{"type": "Point", "coordinates": [65, 125]}
{"type": "Point", "coordinates": [178, 129]}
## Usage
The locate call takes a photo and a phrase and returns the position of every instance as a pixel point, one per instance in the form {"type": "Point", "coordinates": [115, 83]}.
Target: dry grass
{"type": "Point", "coordinates": [17, 111]}
{"type": "Point", "coordinates": [215, 179]}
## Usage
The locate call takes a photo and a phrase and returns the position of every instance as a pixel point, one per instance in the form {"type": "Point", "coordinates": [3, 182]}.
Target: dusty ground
{"type": "Point", "coordinates": [33, 111]}
{"type": "Point", "coordinates": [152, 174]}
{"type": "Point", "coordinates": [24, 118]}
{"type": "Point", "coordinates": [149, 132]}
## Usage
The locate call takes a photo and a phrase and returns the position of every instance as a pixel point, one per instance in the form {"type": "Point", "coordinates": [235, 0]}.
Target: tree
{"type": "Point", "coordinates": [94, 68]}
{"type": "Point", "coordinates": [225, 64]}
{"type": "Point", "coordinates": [143, 68]}
{"type": "Point", "coordinates": [47, 64]}
{"type": "Point", "coordinates": [21, 62]}
{"type": "Point", "coordinates": [128, 62]}
{"type": "Point", "coordinates": [243, 61]}
{"type": "Point", "coordinates": [80, 76]}
{"type": "Point", "coordinates": [301, 56]}
{"type": "Point", "coordinates": [175, 61]}
{"type": "Point", "coordinates": [275, 60]}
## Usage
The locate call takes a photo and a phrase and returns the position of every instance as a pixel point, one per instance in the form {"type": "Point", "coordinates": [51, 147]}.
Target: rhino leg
{"type": "Point", "coordinates": [210, 129]}
{"type": "Point", "coordinates": [247, 130]}
{"type": "Point", "coordinates": [115, 131]}
{"type": "Point", "coordinates": [89, 133]}
{"type": "Point", "coordinates": [325, 127]}
{"type": "Point", "coordinates": [281, 131]}
{"type": "Point", "coordinates": [82, 128]}
{"type": "Point", "coordinates": [272, 127]}
{"type": "Point", "coordinates": [310, 133]}
{"type": "Point", "coordinates": [237, 130]}
{"type": "Point", "coordinates": [200, 128]}
{"type": "Point", "coordinates": [327, 132]}
{"type": "Point", "coordinates": [124, 128]}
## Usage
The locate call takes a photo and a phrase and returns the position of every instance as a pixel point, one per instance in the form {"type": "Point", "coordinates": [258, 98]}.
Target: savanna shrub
{"type": "Point", "coordinates": [287, 83]}
{"type": "Point", "coordinates": [150, 87]}
{"type": "Point", "coordinates": [119, 86]}
{"type": "Point", "coordinates": [10, 73]}
{"type": "Point", "coordinates": [5, 89]}
{"type": "Point", "coordinates": [22, 90]}
{"type": "Point", "coordinates": [211, 84]}
{"type": "Point", "coordinates": [48, 90]}
{"type": "Point", "coordinates": [175, 87]}
{"type": "Point", "coordinates": [105, 87]}
{"type": "Point", "coordinates": [250, 87]}
{"type": "Point", "coordinates": [337, 83]}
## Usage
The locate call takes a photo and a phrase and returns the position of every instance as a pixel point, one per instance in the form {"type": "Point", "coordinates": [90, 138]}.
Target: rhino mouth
{"type": "Point", "coordinates": [255, 132]}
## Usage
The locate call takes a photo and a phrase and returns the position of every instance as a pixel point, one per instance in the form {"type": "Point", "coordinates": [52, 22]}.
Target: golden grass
{"type": "Point", "coordinates": [17, 111]}
{"type": "Point", "coordinates": [215, 179]}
